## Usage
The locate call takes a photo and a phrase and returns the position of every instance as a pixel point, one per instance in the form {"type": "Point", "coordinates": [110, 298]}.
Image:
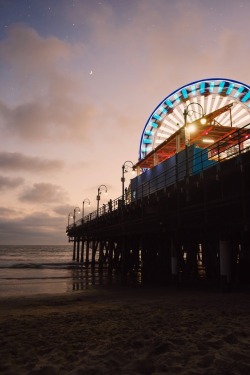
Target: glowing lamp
{"type": "Point", "coordinates": [191, 128]}
{"type": "Point", "coordinates": [203, 120]}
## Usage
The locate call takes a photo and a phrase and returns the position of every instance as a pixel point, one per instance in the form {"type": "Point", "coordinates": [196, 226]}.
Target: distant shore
{"type": "Point", "coordinates": [124, 330]}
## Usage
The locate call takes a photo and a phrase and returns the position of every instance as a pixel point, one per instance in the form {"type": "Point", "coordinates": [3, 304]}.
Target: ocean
{"type": "Point", "coordinates": [30, 270]}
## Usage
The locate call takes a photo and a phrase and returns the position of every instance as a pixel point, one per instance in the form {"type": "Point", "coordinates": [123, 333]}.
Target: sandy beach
{"type": "Point", "coordinates": [119, 330]}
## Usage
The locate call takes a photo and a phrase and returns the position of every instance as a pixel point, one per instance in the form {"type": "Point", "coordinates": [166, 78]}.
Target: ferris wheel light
{"type": "Point", "coordinates": [203, 120]}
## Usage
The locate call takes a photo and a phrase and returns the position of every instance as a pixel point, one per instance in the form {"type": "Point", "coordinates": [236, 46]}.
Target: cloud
{"type": "Point", "coordinates": [49, 87]}
{"type": "Point", "coordinates": [44, 193]}
{"type": "Point", "coordinates": [23, 42]}
{"type": "Point", "coordinates": [18, 161]}
{"type": "Point", "coordinates": [7, 183]}
{"type": "Point", "coordinates": [36, 228]}
{"type": "Point", "coordinates": [55, 117]}
{"type": "Point", "coordinates": [42, 220]}
{"type": "Point", "coordinates": [63, 210]}
{"type": "Point", "coordinates": [9, 212]}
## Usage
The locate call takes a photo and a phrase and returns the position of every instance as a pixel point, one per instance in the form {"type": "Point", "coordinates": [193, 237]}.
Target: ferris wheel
{"type": "Point", "coordinates": [210, 95]}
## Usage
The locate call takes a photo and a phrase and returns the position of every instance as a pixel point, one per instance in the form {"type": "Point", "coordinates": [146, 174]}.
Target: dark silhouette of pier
{"type": "Point", "coordinates": [188, 224]}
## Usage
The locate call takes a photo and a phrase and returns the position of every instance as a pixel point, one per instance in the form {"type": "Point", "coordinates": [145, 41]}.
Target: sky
{"type": "Point", "coordinates": [78, 81]}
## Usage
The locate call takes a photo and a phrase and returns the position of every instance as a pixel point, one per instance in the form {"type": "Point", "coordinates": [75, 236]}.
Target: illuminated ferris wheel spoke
{"type": "Point", "coordinates": [179, 116]}
{"type": "Point", "coordinates": [225, 121]}
{"type": "Point", "coordinates": [161, 135]}
{"type": "Point", "coordinates": [208, 104]}
{"type": "Point", "coordinates": [223, 102]}
{"type": "Point", "coordinates": [174, 120]}
{"type": "Point", "coordinates": [241, 122]}
{"type": "Point", "coordinates": [236, 114]}
{"type": "Point", "coordinates": [216, 103]}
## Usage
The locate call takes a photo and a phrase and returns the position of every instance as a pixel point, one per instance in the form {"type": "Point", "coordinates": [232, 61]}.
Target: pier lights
{"type": "Point", "coordinates": [70, 215]}
{"type": "Point", "coordinates": [76, 210]}
{"type": "Point", "coordinates": [84, 201]}
{"type": "Point", "coordinates": [99, 191]}
{"type": "Point", "coordinates": [125, 170]}
{"type": "Point", "coordinates": [186, 112]}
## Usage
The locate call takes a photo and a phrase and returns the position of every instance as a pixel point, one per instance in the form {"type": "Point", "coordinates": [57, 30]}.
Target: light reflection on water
{"type": "Point", "coordinates": [82, 279]}
{"type": "Point", "coordinates": [29, 270]}
{"type": "Point", "coordinates": [19, 282]}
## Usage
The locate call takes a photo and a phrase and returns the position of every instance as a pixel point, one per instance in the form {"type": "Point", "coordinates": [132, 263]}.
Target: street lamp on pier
{"type": "Point", "coordinates": [125, 170]}
{"type": "Point", "coordinates": [99, 191]}
{"type": "Point", "coordinates": [70, 215]}
{"type": "Point", "coordinates": [202, 119]}
{"type": "Point", "coordinates": [76, 209]}
{"type": "Point", "coordinates": [87, 201]}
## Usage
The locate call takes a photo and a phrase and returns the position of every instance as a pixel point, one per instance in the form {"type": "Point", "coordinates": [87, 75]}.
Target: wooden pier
{"type": "Point", "coordinates": [196, 229]}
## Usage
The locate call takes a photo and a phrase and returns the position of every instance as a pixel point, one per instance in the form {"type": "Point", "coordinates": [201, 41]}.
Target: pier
{"type": "Point", "coordinates": [183, 220]}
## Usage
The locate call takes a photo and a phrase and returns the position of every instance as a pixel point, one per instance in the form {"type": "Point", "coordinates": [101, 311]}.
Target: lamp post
{"type": "Point", "coordinates": [69, 216]}
{"type": "Point", "coordinates": [185, 114]}
{"type": "Point", "coordinates": [76, 209]}
{"type": "Point", "coordinates": [85, 200]}
{"type": "Point", "coordinates": [99, 191]}
{"type": "Point", "coordinates": [124, 170]}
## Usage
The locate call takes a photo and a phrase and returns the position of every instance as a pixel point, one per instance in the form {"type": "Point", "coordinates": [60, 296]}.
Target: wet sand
{"type": "Point", "coordinates": [123, 330]}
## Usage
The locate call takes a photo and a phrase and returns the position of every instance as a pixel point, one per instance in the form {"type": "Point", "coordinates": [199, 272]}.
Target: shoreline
{"type": "Point", "coordinates": [124, 330]}
{"type": "Point", "coordinates": [186, 297]}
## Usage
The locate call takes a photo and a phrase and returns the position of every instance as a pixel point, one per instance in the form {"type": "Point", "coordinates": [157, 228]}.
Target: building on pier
{"type": "Point", "coordinates": [186, 215]}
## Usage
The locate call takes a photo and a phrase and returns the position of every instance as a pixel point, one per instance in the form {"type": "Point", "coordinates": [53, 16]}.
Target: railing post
{"type": "Point", "coordinates": [176, 168]}
{"type": "Point", "coordinates": [74, 249]}
{"type": "Point", "coordinates": [239, 143]}
{"type": "Point", "coordinates": [187, 162]}
{"type": "Point", "coordinates": [82, 250]}
{"type": "Point", "coordinates": [218, 151]}
{"type": "Point", "coordinates": [78, 249]}
{"type": "Point", "coordinates": [87, 253]}
{"type": "Point", "coordinates": [201, 154]}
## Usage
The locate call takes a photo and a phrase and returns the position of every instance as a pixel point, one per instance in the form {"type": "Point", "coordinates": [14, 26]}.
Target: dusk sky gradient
{"type": "Point", "coordinates": [79, 79]}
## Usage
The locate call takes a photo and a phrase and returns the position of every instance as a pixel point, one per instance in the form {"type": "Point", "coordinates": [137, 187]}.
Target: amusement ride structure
{"type": "Point", "coordinates": [221, 104]}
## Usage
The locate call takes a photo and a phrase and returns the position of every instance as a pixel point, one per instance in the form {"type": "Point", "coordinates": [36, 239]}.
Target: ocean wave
{"type": "Point", "coordinates": [41, 266]}
{"type": "Point", "coordinates": [37, 278]}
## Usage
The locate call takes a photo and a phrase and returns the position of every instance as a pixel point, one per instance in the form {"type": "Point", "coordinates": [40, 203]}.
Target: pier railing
{"type": "Point", "coordinates": [195, 161]}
